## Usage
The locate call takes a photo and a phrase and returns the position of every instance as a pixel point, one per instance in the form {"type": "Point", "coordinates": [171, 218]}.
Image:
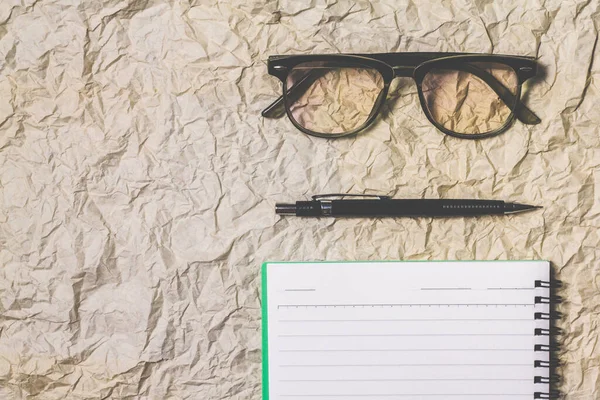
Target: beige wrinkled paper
{"type": "Point", "coordinates": [138, 180]}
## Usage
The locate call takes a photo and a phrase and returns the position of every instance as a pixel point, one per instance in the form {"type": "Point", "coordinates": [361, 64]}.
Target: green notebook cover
{"type": "Point", "coordinates": [265, 334]}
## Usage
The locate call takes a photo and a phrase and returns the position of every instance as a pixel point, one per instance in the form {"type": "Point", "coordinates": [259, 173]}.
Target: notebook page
{"type": "Point", "coordinates": [405, 330]}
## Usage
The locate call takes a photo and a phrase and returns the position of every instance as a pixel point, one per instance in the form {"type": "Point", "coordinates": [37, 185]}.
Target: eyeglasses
{"type": "Point", "coordinates": [469, 96]}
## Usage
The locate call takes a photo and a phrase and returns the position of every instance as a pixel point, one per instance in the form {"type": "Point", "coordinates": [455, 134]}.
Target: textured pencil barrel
{"type": "Point", "coordinates": [416, 208]}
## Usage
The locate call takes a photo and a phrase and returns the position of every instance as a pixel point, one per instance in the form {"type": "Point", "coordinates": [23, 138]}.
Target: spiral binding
{"type": "Point", "coordinates": [547, 299]}
{"type": "Point", "coordinates": [553, 347]}
{"type": "Point", "coordinates": [551, 395]}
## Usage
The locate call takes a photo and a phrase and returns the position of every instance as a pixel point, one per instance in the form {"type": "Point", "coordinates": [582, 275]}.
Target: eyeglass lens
{"type": "Point", "coordinates": [333, 99]}
{"type": "Point", "coordinates": [462, 102]}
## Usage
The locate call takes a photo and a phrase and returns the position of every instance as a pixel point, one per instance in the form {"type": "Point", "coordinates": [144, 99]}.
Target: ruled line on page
{"type": "Point", "coordinates": [406, 305]}
{"type": "Point", "coordinates": [407, 320]}
{"type": "Point", "coordinates": [409, 380]}
{"type": "Point", "coordinates": [396, 350]}
{"type": "Point", "coordinates": [404, 395]}
{"type": "Point", "coordinates": [434, 288]}
{"type": "Point", "coordinates": [478, 289]}
{"type": "Point", "coordinates": [407, 334]}
{"type": "Point", "coordinates": [403, 365]}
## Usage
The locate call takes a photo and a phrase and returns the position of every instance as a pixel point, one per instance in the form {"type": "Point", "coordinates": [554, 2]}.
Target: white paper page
{"type": "Point", "coordinates": [405, 330]}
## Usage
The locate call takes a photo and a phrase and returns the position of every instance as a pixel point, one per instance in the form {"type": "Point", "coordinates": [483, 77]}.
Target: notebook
{"type": "Point", "coordinates": [407, 330]}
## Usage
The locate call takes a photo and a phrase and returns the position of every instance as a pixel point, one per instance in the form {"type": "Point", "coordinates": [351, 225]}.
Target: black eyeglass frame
{"type": "Point", "coordinates": [415, 65]}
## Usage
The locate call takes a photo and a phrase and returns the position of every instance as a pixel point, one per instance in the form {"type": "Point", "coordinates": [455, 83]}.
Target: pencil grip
{"type": "Point", "coordinates": [552, 348]}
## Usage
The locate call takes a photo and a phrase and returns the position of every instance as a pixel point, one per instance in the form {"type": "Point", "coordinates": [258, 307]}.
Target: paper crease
{"type": "Point", "coordinates": [138, 180]}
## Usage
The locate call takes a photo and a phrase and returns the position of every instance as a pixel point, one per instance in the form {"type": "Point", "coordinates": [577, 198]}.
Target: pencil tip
{"type": "Point", "coordinates": [511, 208]}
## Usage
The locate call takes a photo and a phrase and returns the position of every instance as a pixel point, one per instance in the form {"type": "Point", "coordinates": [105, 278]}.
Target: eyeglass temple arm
{"type": "Point", "coordinates": [277, 108]}
{"type": "Point", "coordinates": [523, 114]}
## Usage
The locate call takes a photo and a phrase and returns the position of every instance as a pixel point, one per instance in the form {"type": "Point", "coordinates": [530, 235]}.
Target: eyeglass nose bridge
{"type": "Point", "coordinates": [402, 71]}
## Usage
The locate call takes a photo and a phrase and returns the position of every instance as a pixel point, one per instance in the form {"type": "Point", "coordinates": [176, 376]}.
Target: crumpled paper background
{"type": "Point", "coordinates": [138, 180]}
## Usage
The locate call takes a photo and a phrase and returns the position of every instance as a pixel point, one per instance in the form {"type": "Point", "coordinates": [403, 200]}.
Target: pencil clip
{"type": "Point", "coordinates": [339, 196]}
